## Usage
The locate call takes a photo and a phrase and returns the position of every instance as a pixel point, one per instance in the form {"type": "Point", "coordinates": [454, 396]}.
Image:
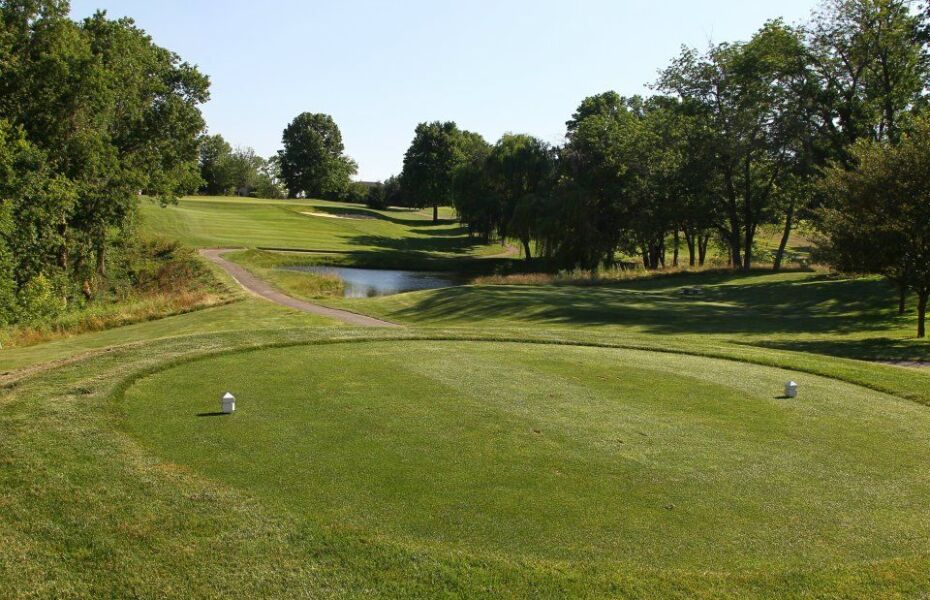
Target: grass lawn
{"type": "Point", "coordinates": [315, 225]}
{"type": "Point", "coordinates": [619, 458]}
{"type": "Point", "coordinates": [618, 440]}
{"type": "Point", "coordinates": [411, 468]}
{"type": "Point", "coordinates": [802, 311]}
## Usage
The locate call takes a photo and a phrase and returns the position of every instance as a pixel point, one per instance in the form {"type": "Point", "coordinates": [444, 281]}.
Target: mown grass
{"type": "Point", "coordinates": [618, 440]}
{"type": "Point", "coordinates": [245, 314]}
{"type": "Point", "coordinates": [289, 224]}
{"type": "Point", "coordinates": [803, 311]}
{"type": "Point", "coordinates": [81, 493]}
{"type": "Point", "coordinates": [634, 459]}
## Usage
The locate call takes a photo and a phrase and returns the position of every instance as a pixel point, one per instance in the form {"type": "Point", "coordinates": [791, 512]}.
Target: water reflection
{"type": "Point", "coordinates": [368, 283]}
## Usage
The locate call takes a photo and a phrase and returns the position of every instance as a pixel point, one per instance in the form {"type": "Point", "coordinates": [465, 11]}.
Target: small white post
{"type": "Point", "coordinates": [228, 402]}
{"type": "Point", "coordinates": [791, 390]}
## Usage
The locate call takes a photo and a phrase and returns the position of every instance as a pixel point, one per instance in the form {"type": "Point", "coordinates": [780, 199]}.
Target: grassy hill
{"type": "Point", "coordinates": [537, 440]}
{"type": "Point", "coordinates": [316, 225]}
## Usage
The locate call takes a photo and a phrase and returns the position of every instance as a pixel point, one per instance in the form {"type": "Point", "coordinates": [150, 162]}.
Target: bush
{"type": "Point", "coordinates": [40, 301]}
{"type": "Point", "coordinates": [376, 198]}
{"type": "Point", "coordinates": [356, 192]}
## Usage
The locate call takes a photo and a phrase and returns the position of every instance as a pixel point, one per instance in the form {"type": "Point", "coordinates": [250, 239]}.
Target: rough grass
{"type": "Point", "coordinates": [617, 274]}
{"type": "Point", "coordinates": [173, 283]}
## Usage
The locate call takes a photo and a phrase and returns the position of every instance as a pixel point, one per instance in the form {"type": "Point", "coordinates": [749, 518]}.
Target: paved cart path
{"type": "Point", "coordinates": [263, 289]}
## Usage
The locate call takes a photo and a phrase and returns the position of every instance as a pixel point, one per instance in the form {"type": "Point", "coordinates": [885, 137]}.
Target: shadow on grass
{"type": "Point", "coordinates": [363, 212]}
{"type": "Point", "coordinates": [778, 307]}
{"type": "Point", "coordinates": [212, 414]}
{"type": "Point", "coordinates": [446, 241]}
{"type": "Point", "coordinates": [874, 349]}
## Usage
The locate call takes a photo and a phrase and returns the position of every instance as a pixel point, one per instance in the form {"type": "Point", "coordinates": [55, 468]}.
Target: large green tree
{"type": "Point", "coordinates": [108, 114]}
{"type": "Point", "coordinates": [503, 193]}
{"type": "Point", "coordinates": [436, 154]}
{"type": "Point", "coordinates": [878, 215]}
{"type": "Point", "coordinates": [748, 94]}
{"type": "Point", "coordinates": [313, 160]}
{"type": "Point", "coordinates": [214, 154]}
{"type": "Point", "coordinates": [870, 58]}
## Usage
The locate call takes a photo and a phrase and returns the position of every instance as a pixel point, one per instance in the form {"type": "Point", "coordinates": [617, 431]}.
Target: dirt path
{"type": "Point", "coordinates": [261, 288]}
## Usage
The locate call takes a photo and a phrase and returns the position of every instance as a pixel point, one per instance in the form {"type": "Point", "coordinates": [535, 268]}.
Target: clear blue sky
{"type": "Point", "coordinates": [382, 67]}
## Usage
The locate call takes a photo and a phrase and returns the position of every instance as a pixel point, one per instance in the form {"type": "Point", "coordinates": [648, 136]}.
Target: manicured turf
{"type": "Point", "coordinates": [810, 312]}
{"type": "Point", "coordinates": [636, 448]}
{"type": "Point", "coordinates": [296, 224]}
{"type": "Point", "coordinates": [106, 495]}
{"type": "Point", "coordinates": [244, 315]}
{"type": "Point", "coordinates": [645, 460]}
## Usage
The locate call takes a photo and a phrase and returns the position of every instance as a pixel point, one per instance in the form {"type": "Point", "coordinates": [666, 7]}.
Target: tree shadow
{"type": "Point", "coordinates": [363, 212]}
{"type": "Point", "coordinates": [872, 349]}
{"type": "Point", "coordinates": [779, 309]}
{"type": "Point", "coordinates": [445, 242]}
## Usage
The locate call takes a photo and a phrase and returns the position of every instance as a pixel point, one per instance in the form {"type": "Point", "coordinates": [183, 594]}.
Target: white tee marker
{"type": "Point", "coordinates": [228, 402]}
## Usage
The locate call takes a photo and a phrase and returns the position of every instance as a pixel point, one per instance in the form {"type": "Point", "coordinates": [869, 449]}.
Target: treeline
{"type": "Point", "coordinates": [311, 164]}
{"type": "Point", "coordinates": [737, 137]}
{"type": "Point", "coordinates": [92, 114]}
{"type": "Point", "coordinates": [241, 172]}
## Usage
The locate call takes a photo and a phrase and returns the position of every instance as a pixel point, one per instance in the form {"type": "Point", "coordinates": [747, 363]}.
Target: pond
{"type": "Point", "coordinates": [368, 283]}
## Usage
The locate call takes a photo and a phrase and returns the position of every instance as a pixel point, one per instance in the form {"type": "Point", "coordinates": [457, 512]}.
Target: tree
{"type": "Point", "coordinates": [871, 62]}
{"type": "Point", "coordinates": [107, 115]}
{"type": "Point", "coordinates": [586, 226]}
{"type": "Point", "coordinates": [313, 162]}
{"type": "Point", "coordinates": [608, 104]}
{"type": "Point", "coordinates": [878, 216]}
{"type": "Point", "coordinates": [520, 170]}
{"type": "Point", "coordinates": [437, 152]}
{"type": "Point", "coordinates": [269, 183]}
{"type": "Point", "coordinates": [475, 203]}
{"type": "Point", "coordinates": [214, 154]}
{"type": "Point", "coordinates": [748, 94]}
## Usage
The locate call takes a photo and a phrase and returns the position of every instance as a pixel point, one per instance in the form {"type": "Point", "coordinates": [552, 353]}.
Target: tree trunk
{"type": "Point", "coordinates": [747, 214]}
{"type": "Point", "coordinates": [736, 257]}
{"type": "Point", "coordinates": [102, 259]}
{"type": "Point", "coordinates": [689, 240]}
{"type": "Point", "coordinates": [789, 222]}
{"type": "Point", "coordinates": [435, 213]}
{"type": "Point", "coordinates": [526, 249]}
{"type": "Point", "coordinates": [702, 249]}
{"type": "Point", "coordinates": [747, 256]}
{"type": "Point", "coordinates": [922, 312]}
{"type": "Point", "coordinates": [675, 252]}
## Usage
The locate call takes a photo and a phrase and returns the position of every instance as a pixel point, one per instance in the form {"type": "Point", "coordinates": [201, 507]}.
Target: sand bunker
{"type": "Point", "coordinates": [332, 216]}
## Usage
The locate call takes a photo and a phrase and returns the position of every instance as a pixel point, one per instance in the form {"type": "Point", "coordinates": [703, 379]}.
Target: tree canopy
{"type": "Point", "coordinates": [878, 214]}
{"type": "Point", "coordinates": [92, 115]}
{"type": "Point", "coordinates": [313, 161]}
{"type": "Point", "coordinates": [437, 152]}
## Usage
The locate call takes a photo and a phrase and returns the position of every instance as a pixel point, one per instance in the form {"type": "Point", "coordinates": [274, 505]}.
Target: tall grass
{"type": "Point", "coordinates": [156, 279]}
{"type": "Point", "coordinates": [607, 276]}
